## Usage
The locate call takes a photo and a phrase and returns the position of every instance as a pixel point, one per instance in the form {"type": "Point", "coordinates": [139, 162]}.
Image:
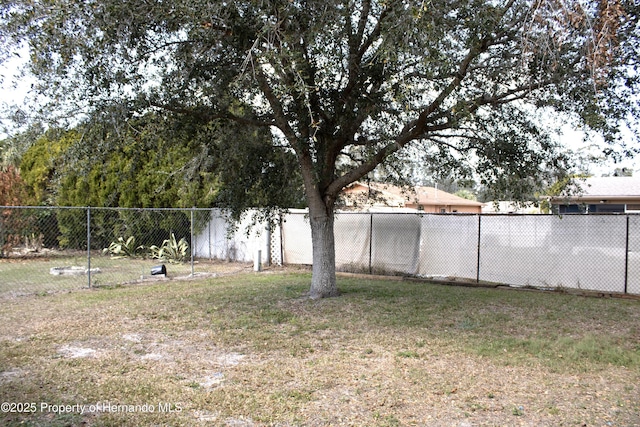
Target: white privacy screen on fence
{"type": "Point", "coordinates": [296, 239]}
{"type": "Point", "coordinates": [395, 243]}
{"type": "Point", "coordinates": [219, 240]}
{"type": "Point", "coordinates": [448, 246]}
{"type": "Point", "coordinates": [590, 252]}
{"type": "Point", "coordinates": [212, 241]}
{"type": "Point", "coordinates": [352, 240]}
{"type": "Point", "coordinates": [586, 252]}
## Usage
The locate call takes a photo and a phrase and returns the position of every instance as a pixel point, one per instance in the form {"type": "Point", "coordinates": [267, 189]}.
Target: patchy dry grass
{"type": "Point", "coordinates": [251, 349]}
{"type": "Point", "coordinates": [25, 276]}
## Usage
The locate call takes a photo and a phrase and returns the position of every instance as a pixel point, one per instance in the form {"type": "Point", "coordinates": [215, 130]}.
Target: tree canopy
{"type": "Point", "coordinates": [350, 85]}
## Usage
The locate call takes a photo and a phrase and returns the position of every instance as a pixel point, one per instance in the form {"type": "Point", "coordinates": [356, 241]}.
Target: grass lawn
{"type": "Point", "coordinates": [250, 349]}
{"type": "Point", "coordinates": [24, 276]}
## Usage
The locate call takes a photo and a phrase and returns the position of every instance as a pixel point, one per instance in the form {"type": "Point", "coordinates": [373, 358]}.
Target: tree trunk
{"type": "Point", "coordinates": [323, 281]}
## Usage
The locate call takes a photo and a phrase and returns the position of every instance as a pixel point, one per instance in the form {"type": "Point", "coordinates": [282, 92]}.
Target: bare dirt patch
{"type": "Point", "coordinates": [72, 351]}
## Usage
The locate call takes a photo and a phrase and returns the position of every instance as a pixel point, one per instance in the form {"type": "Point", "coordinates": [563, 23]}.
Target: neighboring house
{"type": "Point", "coordinates": [384, 197]}
{"type": "Point", "coordinates": [601, 195]}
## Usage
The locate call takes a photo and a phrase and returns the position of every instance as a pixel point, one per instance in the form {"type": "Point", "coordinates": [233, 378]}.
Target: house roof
{"type": "Point", "coordinates": [425, 196]}
{"type": "Point", "coordinates": [606, 189]}
{"type": "Point", "coordinates": [616, 186]}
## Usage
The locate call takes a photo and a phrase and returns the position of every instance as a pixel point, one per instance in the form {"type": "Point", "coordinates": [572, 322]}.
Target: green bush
{"type": "Point", "coordinates": [171, 250]}
{"type": "Point", "coordinates": [124, 248]}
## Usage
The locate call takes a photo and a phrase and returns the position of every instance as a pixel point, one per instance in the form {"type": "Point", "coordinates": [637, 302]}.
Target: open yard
{"type": "Point", "coordinates": [250, 349]}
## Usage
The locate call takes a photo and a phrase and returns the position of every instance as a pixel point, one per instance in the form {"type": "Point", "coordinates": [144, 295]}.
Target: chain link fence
{"type": "Point", "coordinates": [587, 252]}
{"type": "Point", "coordinates": [46, 249]}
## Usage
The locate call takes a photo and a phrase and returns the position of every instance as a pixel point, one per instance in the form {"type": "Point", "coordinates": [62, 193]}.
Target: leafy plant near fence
{"type": "Point", "coordinates": [171, 250]}
{"type": "Point", "coordinates": [125, 248]}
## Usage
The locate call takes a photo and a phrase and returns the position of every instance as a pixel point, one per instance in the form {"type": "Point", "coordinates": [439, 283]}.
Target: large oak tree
{"type": "Point", "coordinates": [348, 85]}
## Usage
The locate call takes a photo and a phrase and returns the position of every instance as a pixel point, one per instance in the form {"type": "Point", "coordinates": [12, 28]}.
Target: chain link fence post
{"type": "Point", "coordinates": [633, 255]}
{"type": "Point", "coordinates": [626, 257]}
{"type": "Point", "coordinates": [370, 242]}
{"type": "Point", "coordinates": [479, 248]}
{"type": "Point", "coordinates": [192, 240]}
{"type": "Point", "coordinates": [89, 246]}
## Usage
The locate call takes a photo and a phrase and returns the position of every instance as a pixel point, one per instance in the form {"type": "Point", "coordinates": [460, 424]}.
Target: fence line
{"type": "Point", "coordinates": [48, 248]}
{"type": "Point", "coordinates": [589, 252]}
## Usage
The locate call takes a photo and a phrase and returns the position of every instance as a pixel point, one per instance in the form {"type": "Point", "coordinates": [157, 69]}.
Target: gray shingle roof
{"type": "Point", "coordinates": [610, 187]}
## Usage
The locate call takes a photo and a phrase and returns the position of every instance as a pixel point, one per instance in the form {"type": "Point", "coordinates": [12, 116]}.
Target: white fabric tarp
{"type": "Point", "coordinates": [449, 246]}
{"type": "Point", "coordinates": [219, 241]}
{"type": "Point", "coordinates": [296, 238]}
{"type": "Point", "coordinates": [395, 243]}
{"type": "Point", "coordinates": [584, 252]}
{"type": "Point", "coordinates": [352, 239]}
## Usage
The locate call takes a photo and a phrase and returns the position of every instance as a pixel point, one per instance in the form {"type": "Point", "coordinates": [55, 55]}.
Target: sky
{"type": "Point", "coordinates": [574, 139]}
{"type": "Point", "coordinates": [13, 90]}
